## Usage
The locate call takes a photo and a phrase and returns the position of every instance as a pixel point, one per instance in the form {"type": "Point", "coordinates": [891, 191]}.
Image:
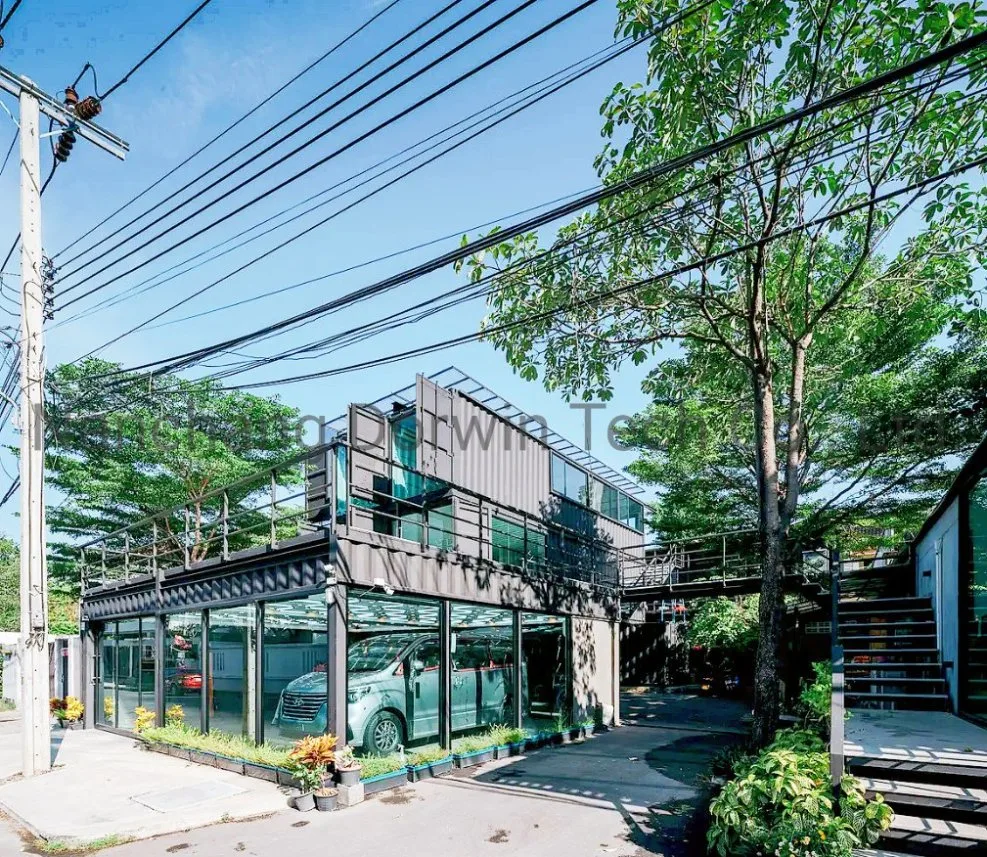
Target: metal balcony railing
{"type": "Point", "coordinates": [340, 488]}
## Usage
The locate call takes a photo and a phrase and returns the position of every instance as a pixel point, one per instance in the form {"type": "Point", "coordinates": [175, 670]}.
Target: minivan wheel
{"type": "Point", "coordinates": [384, 733]}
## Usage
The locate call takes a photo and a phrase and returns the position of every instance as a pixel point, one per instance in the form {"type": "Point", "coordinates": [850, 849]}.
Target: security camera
{"type": "Point", "coordinates": [384, 585]}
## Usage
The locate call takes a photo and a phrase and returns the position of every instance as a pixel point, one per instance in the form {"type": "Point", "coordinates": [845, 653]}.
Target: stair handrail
{"type": "Point", "coordinates": [837, 702]}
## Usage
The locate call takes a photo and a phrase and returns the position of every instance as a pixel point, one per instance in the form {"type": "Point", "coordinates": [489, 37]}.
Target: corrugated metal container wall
{"type": "Point", "coordinates": [620, 536]}
{"type": "Point", "coordinates": [497, 459]}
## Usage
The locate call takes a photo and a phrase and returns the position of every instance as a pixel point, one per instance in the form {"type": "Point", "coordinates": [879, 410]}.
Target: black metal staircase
{"type": "Point", "coordinates": [887, 658]}
{"type": "Point", "coordinates": [891, 654]}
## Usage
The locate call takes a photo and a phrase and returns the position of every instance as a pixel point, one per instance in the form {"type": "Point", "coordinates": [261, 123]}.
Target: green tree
{"type": "Point", "coordinates": [726, 625]}
{"type": "Point", "coordinates": [63, 606]}
{"type": "Point", "coordinates": [748, 278]}
{"type": "Point", "coordinates": [117, 456]}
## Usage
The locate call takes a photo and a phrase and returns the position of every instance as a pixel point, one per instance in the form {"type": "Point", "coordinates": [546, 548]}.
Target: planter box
{"type": "Point", "coordinates": [477, 757]}
{"type": "Point", "coordinates": [200, 757]}
{"type": "Point", "coordinates": [182, 753]}
{"type": "Point", "coordinates": [156, 748]}
{"type": "Point", "coordinates": [416, 773]}
{"type": "Point", "coordinates": [285, 778]}
{"type": "Point", "coordinates": [225, 763]}
{"type": "Point", "coordinates": [505, 751]}
{"type": "Point", "coordinates": [260, 772]}
{"type": "Point", "coordinates": [382, 782]}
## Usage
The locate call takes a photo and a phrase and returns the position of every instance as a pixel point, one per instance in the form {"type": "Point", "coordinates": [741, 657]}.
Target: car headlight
{"type": "Point", "coordinates": [355, 694]}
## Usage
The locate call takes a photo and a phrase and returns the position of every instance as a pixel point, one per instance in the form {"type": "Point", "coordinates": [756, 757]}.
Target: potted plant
{"type": "Point", "coordinates": [315, 751]}
{"type": "Point", "coordinates": [426, 764]}
{"type": "Point", "coordinates": [348, 767]}
{"type": "Point", "coordinates": [69, 711]}
{"type": "Point", "coordinates": [309, 781]}
{"type": "Point", "coordinates": [325, 798]}
{"type": "Point", "coordinates": [143, 719]}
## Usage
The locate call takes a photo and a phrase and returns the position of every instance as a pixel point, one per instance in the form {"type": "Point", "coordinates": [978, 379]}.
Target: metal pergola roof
{"type": "Point", "coordinates": [453, 378]}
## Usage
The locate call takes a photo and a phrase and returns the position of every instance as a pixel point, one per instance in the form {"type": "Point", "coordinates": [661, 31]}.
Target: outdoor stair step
{"type": "Point", "coordinates": [895, 679]}
{"type": "Point", "coordinates": [932, 836]}
{"type": "Point", "coordinates": [882, 623]}
{"type": "Point", "coordinates": [880, 638]}
{"type": "Point", "coordinates": [884, 604]}
{"type": "Point", "coordinates": [892, 665]}
{"type": "Point", "coordinates": [962, 810]}
{"type": "Point", "coordinates": [885, 652]}
{"type": "Point", "coordinates": [887, 787]}
{"type": "Point", "coordinates": [907, 771]}
{"type": "Point", "coordinates": [885, 614]}
{"type": "Point", "coordinates": [891, 696]}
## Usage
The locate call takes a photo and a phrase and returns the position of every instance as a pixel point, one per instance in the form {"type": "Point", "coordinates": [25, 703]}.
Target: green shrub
{"type": "Point", "coordinates": [427, 755]}
{"type": "Point", "coordinates": [222, 743]}
{"type": "Point", "coordinates": [473, 743]}
{"type": "Point", "coordinates": [780, 803]}
{"type": "Point", "coordinates": [376, 766]}
{"type": "Point", "coordinates": [504, 735]}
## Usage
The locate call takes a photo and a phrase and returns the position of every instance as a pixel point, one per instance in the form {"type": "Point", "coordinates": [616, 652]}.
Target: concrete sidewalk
{"type": "Point", "coordinates": [105, 785]}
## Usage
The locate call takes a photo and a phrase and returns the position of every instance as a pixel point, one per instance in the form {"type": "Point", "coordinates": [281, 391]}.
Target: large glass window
{"type": "Point", "coordinates": [183, 665]}
{"type": "Point", "coordinates": [482, 667]}
{"type": "Point", "coordinates": [511, 545]}
{"type": "Point", "coordinates": [974, 693]}
{"type": "Point", "coordinates": [295, 657]}
{"type": "Point", "coordinates": [393, 681]}
{"type": "Point", "coordinates": [544, 671]}
{"type": "Point", "coordinates": [232, 673]}
{"type": "Point", "coordinates": [569, 481]}
{"type": "Point", "coordinates": [128, 675]}
{"type": "Point", "coordinates": [108, 674]}
{"type": "Point", "coordinates": [126, 671]}
{"type": "Point", "coordinates": [404, 453]}
{"type": "Point", "coordinates": [609, 501]}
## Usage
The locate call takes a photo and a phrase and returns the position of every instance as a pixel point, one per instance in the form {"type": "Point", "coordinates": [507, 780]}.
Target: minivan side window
{"type": "Point", "coordinates": [428, 654]}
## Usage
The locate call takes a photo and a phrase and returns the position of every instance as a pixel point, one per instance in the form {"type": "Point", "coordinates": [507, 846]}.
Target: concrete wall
{"type": "Point", "coordinates": [937, 575]}
{"type": "Point", "coordinates": [595, 670]}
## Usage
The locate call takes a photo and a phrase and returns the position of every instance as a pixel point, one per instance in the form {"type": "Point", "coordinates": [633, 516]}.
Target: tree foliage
{"type": "Point", "coordinates": [726, 625]}
{"type": "Point", "coordinates": [790, 294]}
{"type": "Point", "coordinates": [116, 458]}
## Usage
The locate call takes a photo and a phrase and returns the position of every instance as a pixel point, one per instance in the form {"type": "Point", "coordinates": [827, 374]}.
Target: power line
{"type": "Point", "coordinates": [258, 137]}
{"type": "Point", "coordinates": [155, 49]}
{"type": "Point", "coordinates": [340, 150]}
{"type": "Point", "coordinates": [634, 181]}
{"type": "Point", "coordinates": [591, 301]}
{"type": "Point", "coordinates": [595, 62]}
{"type": "Point", "coordinates": [10, 13]}
{"type": "Point", "coordinates": [224, 132]}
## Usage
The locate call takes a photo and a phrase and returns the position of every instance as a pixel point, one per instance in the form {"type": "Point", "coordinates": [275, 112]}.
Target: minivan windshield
{"type": "Point", "coordinates": [375, 653]}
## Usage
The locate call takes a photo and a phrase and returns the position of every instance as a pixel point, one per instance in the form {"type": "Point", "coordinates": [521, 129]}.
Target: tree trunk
{"type": "Point", "coordinates": [767, 700]}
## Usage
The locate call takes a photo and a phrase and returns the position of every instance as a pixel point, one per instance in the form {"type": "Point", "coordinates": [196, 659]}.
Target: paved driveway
{"type": "Point", "coordinates": [627, 793]}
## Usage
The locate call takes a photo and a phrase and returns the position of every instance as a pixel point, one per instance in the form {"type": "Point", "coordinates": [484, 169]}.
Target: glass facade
{"type": "Point", "coordinates": [183, 665]}
{"type": "Point", "coordinates": [974, 674]}
{"type": "Point", "coordinates": [545, 681]}
{"type": "Point", "coordinates": [295, 658]}
{"type": "Point", "coordinates": [126, 678]}
{"type": "Point", "coordinates": [231, 692]}
{"type": "Point", "coordinates": [577, 485]}
{"type": "Point", "coordinates": [392, 660]}
{"type": "Point", "coordinates": [395, 683]}
{"type": "Point", "coordinates": [482, 650]}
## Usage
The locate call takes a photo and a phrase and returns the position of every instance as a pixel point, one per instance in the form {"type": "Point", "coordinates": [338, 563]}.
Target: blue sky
{"type": "Point", "coordinates": [232, 56]}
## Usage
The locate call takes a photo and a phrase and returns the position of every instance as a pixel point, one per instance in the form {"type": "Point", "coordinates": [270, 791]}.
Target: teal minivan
{"type": "Point", "coordinates": [393, 689]}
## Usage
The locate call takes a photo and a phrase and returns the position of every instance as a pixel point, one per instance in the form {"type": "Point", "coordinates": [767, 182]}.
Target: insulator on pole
{"type": "Point", "coordinates": [63, 148]}
{"type": "Point", "coordinates": [89, 108]}
{"type": "Point", "coordinates": [71, 96]}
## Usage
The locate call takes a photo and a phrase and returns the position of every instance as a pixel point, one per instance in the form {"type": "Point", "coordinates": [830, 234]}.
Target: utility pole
{"type": "Point", "coordinates": [35, 717]}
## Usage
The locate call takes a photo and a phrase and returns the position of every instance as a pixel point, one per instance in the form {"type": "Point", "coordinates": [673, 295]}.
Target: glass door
{"type": "Point", "coordinates": [974, 675]}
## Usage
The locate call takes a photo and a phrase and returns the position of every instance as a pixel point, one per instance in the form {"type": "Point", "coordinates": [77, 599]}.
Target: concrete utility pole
{"type": "Point", "coordinates": [35, 717]}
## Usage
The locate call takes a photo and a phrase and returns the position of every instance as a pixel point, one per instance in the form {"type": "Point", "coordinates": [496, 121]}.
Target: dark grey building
{"type": "Point", "coordinates": [439, 564]}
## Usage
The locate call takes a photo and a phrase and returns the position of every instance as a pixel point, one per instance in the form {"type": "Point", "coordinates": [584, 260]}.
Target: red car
{"type": "Point", "coordinates": [185, 682]}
